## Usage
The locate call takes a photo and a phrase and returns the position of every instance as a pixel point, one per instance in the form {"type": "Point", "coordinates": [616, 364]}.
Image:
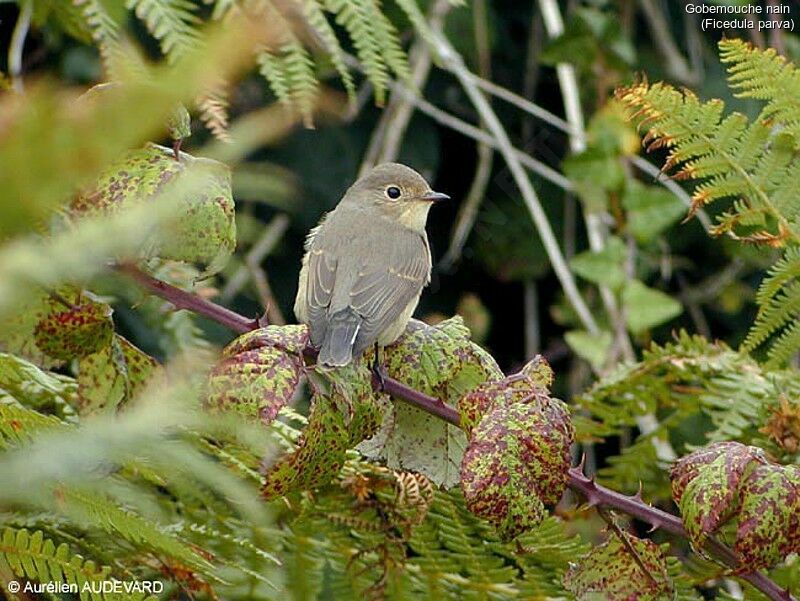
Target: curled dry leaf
{"type": "Point", "coordinates": [729, 482]}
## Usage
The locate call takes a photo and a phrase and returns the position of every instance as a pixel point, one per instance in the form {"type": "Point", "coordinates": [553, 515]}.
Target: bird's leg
{"type": "Point", "coordinates": [377, 369]}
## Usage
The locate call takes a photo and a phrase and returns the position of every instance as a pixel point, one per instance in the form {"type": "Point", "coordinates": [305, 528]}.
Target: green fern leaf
{"type": "Point", "coordinates": [172, 22]}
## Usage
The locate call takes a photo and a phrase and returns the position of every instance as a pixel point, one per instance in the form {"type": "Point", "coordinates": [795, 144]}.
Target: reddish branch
{"type": "Point", "coordinates": [595, 494]}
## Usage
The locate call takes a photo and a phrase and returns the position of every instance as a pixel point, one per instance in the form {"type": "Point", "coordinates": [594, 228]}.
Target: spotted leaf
{"type": "Point", "coordinates": [75, 332]}
{"type": "Point", "coordinates": [205, 231]}
{"type": "Point", "coordinates": [769, 516]}
{"type": "Point", "coordinates": [441, 361]}
{"type": "Point", "coordinates": [339, 420]}
{"type": "Point", "coordinates": [111, 376]}
{"type": "Point", "coordinates": [610, 572]}
{"type": "Point", "coordinates": [517, 461]}
{"type": "Point", "coordinates": [259, 372]}
{"type": "Point", "coordinates": [532, 380]}
{"type": "Point", "coordinates": [731, 483]}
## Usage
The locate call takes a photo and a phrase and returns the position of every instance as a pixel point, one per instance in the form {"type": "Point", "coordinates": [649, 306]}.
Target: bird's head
{"type": "Point", "coordinates": [398, 192]}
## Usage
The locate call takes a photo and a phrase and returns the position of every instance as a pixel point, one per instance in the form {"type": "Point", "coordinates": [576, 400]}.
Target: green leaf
{"type": "Point", "coordinates": [604, 268]}
{"type": "Point", "coordinates": [651, 210]}
{"type": "Point", "coordinates": [729, 482]}
{"type": "Point", "coordinates": [705, 485]}
{"type": "Point", "coordinates": [530, 382]}
{"type": "Point", "coordinates": [517, 462]}
{"type": "Point", "coordinates": [592, 347]}
{"type": "Point", "coordinates": [518, 453]}
{"type": "Point", "coordinates": [414, 440]}
{"type": "Point", "coordinates": [441, 361]}
{"type": "Point", "coordinates": [769, 516]}
{"type": "Point", "coordinates": [75, 332]}
{"type": "Point", "coordinates": [610, 572]}
{"type": "Point", "coordinates": [206, 231]}
{"type": "Point", "coordinates": [338, 421]}
{"type": "Point", "coordinates": [646, 308]}
{"type": "Point", "coordinates": [31, 386]}
{"type": "Point", "coordinates": [112, 376]}
{"type": "Point", "coordinates": [595, 172]}
{"type": "Point", "coordinates": [259, 372]}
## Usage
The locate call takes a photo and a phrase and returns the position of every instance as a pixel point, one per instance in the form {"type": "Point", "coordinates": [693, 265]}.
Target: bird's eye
{"type": "Point", "coordinates": [393, 192]}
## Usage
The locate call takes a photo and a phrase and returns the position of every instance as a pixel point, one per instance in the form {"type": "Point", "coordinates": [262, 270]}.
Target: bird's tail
{"type": "Point", "coordinates": [337, 347]}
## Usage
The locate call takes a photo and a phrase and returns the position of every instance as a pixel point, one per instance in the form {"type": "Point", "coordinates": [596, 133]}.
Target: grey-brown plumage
{"type": "Point", "coordinates": [366, 264]}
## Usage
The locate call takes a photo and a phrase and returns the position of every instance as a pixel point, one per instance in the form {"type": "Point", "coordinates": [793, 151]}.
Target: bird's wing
{"type": "Point", "coordinates": [384, 289]}
{"type": "Point", "coordinates": [321, 276]}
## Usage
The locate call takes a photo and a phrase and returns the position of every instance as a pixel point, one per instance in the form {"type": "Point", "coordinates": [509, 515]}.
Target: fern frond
{"type": "Point", "coordinates": [104, 31]}
{"type": "Point", "coordinates": [357, 17]}
{"type": "Point", "coordinates": [726, 155]}
{"type": "Point", "coordinates": [18, 425]}
{"type": "Point", "coordinates": [778, 300]}
{"type": "Point", "coordinates": [290, 72]}
{"type": "Point", "coordinates": [37, 558]}
{"type": "Point", "coordinates": [764, 75]}
{"type": "Point", "coordinates": [213, 107]}
{"type": "Point", "coordinates": [172, 22]}
{"type": "Point", "coordinates": [316, 19]}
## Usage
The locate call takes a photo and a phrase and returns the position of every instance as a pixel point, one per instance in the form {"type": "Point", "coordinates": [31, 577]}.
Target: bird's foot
{"type": "Point", "coordinates": [378, 372]}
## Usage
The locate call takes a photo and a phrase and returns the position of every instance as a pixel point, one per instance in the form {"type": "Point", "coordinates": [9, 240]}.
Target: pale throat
{"type": "Point", "coordinates": [414, 215]}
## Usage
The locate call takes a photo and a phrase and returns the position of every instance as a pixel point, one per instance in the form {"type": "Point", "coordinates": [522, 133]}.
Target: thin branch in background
{"type": "Point", "coordinates": [595, 494]}
{"type": "Point", "coordinates": [17, 44]}
{"type": "Point", "coordinates": [556, 121]}
{"type": "Point", "coordinates": [676, 64]}
{"type": "Point", "coordinates": [533, 339]}
{"type": "Point", "coordinates": [265, 244]}
{"type": "Point", "coordinates": [455, 64]}
{"type": "Point", "coordinates": [595, 230]}
{"type": "Point", "coordinates": [388, 135]}
{"type": "Point", "coordinates": [265, 296]}
{"type": "Point", "coordinates": [776, 33]}
{"type": "Point", "coordinates": [468, 210]}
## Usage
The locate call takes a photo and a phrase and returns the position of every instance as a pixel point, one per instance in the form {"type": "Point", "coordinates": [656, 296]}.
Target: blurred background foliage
{"type": "Point", "coordinates": [297, 106]}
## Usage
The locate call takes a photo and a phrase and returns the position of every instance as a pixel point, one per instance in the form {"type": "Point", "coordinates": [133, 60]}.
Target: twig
{"type": "Point", "coordinates": [557, 122]}
{"type": "Point", "coordinates": [677, 66]}
{"type": "Point", "coordinates": [454, 63]}
{"type": "Point", "coordinates": [609, 519]}
{"type": "Point", "coordinates": [577, 140]}
{"type": "Point", "coordinates": [271, 235]}
{"type": "Point", "coordinates": [468, 210]}
{"type": "Point", "coordinates": [594, 493]}
{"type": "Point", "coordinates": [186, 300]}
{"type": "Point", "coordinates": [17, 44]}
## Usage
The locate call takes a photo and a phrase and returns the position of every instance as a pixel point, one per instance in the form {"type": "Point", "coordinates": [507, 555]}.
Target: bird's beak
{"type": "Point", "coordinates": [432, 196]}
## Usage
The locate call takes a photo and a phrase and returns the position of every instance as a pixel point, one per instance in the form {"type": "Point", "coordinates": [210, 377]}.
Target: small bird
{"type": "Point", "coordinates": [366, 264]}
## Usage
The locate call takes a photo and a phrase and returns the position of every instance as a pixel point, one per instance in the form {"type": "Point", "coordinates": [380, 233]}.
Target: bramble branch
{"type": "Point", "coordinates": [595, 494]}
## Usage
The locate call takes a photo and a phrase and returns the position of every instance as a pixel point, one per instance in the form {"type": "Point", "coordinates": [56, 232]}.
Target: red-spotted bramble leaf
{"type": "Point", "coordinates": [75, 332]}
{"type": "Point", "coordinates": [338, 421]}
{"type": "Point", "coordinates": [532, 380]}
{"type": "Point", "coordinates": [112, 376]}
{"type": "Point", "coordinates": [733, 483]}
{"type": "Point", "coordinates": [517, 458]}
{"type": "Point", "coordinates": [259, 371]}
{"type": "Point", "coordinates": [610, 572]}
{"type": "Point", "coordinates": [205, 231]}
{"type": "Point", "coordinates": [441, 361]}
